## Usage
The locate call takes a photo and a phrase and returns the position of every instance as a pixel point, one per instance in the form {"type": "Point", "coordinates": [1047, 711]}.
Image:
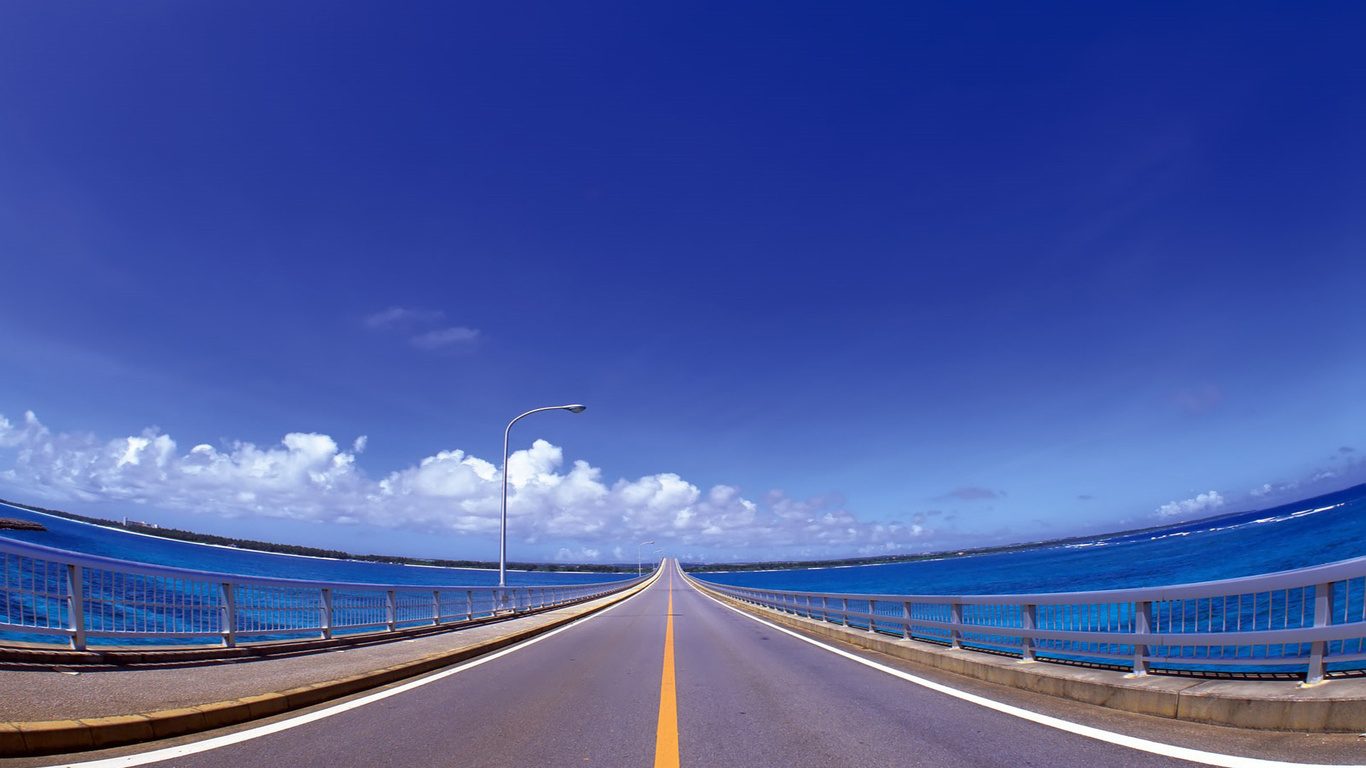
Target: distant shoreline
{"type": "Point", "coordinates": [791, 565]}
{"type": "Point", "coordinates": [270, 548]}
{"type": "Point", "coordinates": [293, 550]}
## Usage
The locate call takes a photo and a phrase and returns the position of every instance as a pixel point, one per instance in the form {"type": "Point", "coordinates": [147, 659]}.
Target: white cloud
{"type": "Point", "coordinates": [1204, 502]}
{"type": "Point", "coordinates": [420, 326]}
{"type": "Point", "coordinates": [308, 476]}
{"type": "Point", "coordinates": [580, 555]}
{"type": "Point", "coordinates": [443, 338]}
{"type": "Point", "coordinates": [396, 317]}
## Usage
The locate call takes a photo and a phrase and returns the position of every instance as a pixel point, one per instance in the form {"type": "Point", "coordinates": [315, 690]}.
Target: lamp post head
{"type": "Point", "coordinates": [575, 408]}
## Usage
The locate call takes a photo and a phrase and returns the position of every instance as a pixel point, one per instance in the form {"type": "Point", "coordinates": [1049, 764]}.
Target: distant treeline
{"type": "Point", "coordinates": [294, 549]}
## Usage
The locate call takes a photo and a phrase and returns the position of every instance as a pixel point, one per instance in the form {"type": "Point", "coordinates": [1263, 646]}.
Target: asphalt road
{"type": "Point", "coordinates": [747, 694]}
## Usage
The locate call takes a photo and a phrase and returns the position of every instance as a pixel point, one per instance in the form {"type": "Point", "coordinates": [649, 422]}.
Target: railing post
{"type": "Point", "coordinates": [326, 611]}
{"type": "Point", "coordinates": [227, 606]}
{"type": "Point", "coordinates": [1143, 625]}
{"type": "Point", "coordinates": [390, 610]}
{"type": "Point", "coordinates": [436, 607]}
{"type": "Point", "coordinates": [844, 611]}
{"type": "Point", "coordinates": [872, 611]}
{"type": "Point", "coordinates": [956, 619]}
{"type": "Point", "coordinates": [469, 605]}
{"type": "Point", "coordinates": [906, 619]}
{"type": "Point", "coordinates": [1026, 626]}
{"type": "Point", "coordinates": [75, 605]}
{"type": "Point", "coordinates": [1323, 616]}
{"type": "Point", "coordinates": [825, 608]}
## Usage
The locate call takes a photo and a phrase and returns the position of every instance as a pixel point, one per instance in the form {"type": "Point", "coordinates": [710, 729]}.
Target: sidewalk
{"type": "Point", "coordinates": [50, 702]}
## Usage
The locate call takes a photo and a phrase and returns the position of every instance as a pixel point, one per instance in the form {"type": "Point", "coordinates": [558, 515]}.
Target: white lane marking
{"type": "Point", "coordinates": [1132, 742]}
{"type": "Point", "coordinates": [144, 758]}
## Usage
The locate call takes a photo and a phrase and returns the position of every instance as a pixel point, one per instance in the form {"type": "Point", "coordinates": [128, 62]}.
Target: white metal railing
{"type": "Point", "coordinates": [1309, 621]}
{"type": "Point", "coordinates": [47, 592]}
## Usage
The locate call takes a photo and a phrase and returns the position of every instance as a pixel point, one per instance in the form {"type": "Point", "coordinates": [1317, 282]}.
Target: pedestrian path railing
{"type": "Point", "coordinates": [52, 593]}
{"type": "Point", "coordinates": [1310, 622]}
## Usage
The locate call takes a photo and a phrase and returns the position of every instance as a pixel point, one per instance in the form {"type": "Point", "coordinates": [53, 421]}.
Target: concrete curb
{"type": "Point", "coordinates": [32, 739]}
{"type": "Point", "coordinates": [1337, 706]}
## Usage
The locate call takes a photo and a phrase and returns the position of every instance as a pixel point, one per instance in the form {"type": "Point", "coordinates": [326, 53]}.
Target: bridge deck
{"type": "Point", "coordinates": [747, 693]}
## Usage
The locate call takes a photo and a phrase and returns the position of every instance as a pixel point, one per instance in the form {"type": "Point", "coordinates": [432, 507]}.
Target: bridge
{"type": "Point", "coordinates": [667, 671]}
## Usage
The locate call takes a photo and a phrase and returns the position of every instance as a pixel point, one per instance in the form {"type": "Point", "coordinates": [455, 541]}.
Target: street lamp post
{"type": "Point", "coordinates": [638, 546]}
{"type": "Point", "coordinates": [503, 528]}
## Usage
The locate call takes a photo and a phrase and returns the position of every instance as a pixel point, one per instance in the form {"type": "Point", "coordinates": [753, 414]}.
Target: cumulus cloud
{"type": "Point", "coordinates": [579, 555]}
{"type": "Point", "coordinates": [1205, 502]}
{"type": "Point", "coordinates": [309, 476]}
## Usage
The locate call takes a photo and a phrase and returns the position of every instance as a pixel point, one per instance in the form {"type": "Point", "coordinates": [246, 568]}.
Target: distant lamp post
{"type": "Point", "coordinates": [503, 529]}
{"type": "Point", "coordinates": [638, 546]}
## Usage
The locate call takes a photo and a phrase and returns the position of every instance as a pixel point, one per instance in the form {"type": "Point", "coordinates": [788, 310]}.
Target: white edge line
{"type": "Point", "coordinates": [1144, 745]}
{"type": "Point", "coordinates": [144, 758]}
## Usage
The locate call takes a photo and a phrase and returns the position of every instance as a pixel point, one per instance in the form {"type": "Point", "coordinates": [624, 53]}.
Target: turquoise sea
{"type": "Point", "coordinates": [1322, 529]}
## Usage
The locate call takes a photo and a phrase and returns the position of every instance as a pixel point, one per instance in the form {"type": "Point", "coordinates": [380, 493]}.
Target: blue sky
{"type": "Point", "coordinates": [832, 280]}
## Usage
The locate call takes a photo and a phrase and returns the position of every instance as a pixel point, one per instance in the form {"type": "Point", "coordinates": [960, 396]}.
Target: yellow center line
{"type": "Point", "coordinates": [666, 736]}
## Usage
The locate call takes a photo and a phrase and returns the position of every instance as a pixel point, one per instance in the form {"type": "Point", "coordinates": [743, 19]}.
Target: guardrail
{"type": "Point", "coordinates": [1310, 621]}
{"type": "Point", "coordinates": [52, 592]}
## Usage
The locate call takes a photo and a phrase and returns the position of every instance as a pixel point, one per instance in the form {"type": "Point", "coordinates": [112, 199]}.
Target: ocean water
{"type": "Point", "coordinates": [1319, 530]}
{"type": "Point", "coordinates": [1323, 529]}
{"type": "Point", "coordinates": [91, 539]}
